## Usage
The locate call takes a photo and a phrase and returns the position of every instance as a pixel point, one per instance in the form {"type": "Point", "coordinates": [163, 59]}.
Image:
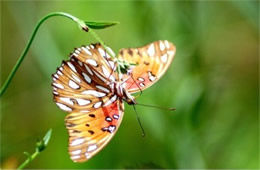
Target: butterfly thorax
{"type": "Point", "coordinates": [123, 94]}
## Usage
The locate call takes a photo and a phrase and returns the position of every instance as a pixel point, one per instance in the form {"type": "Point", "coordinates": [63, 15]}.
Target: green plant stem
{"type": "Point", "coordinates": [28, 45]}
{"type": "Point", "coordinates": [40, 146]}
{"type": "Point", "coordinates": [28, 160]}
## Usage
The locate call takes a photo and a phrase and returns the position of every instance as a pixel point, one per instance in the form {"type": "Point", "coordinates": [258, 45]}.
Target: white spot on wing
{"type": "Point", "coordinates": [100, 77]}
{"type": "Point", "coordinates": [91, 148]}
{"type": "Point", "coordinates": [94, 93]}
{"type": "Point", "coordinates": [58, 85]}
{"type": "Point", "coordinates": [97, 105]}
{"type": "Point", "coordinates": [87, 51]}
{"type": "Point", "coordinates": [151, 50]}
{"type": "Point", "coordinates": [162, 46]}
{"type": "Point", "coordinates": [83, 102]}
{"type": "Point", "coordinates": [56, 75]}
{"type": "Point", "coordinates": [108, 74]}
{"type": "Point", "coordinates": [115, 116]}
{"type": "Point", "coordinates": [76, 152]}
{"type": "Point", "coordinates": [141, 84]}
{"type": "Point", "coordinates": [164, 58]}
{"type": "Point", "coordinates": [77, 51]}
{"type": "Point", "coordinates": [73, 85]}
{"type": "Point", "coordinates": [77, 142]}
{"type": "Point", "coordinates": [64, 107]}
{"type": "Point", "coordinates": [88, 69]}
{"type": "Point", "coordinates": [151, 76]}
{"type": "Point", "coordinates": [140, 79]}
{"type": "Point", "coordinates": [56, 93]}
{"type": "Point", "coordinates": [76, 78]}
{"type": "Point", "coordinates": [111, 128]}
{"type": "Point", "coordinates": [102, 88]}
{"type": "Point", "coordinates": [111, 100]}
{"type": "Point", "coordinates": [171, 53]}
{"type": "Point", "coordinates": [92, 62]}
{"type": "Point", "coordinates": [167, 44]}
{"type": "Point", "coordinates": [84, 111]}
{"type": "Point", "coordinates": [80, 63]}
{"type": "Point", "coordinates": [66, 100]}
{"type": "Point", "coordinates": [86, 77]}
{"type": "Point", "coordinates": [109, 119]}
{"type": "Point", "coordinates": [105, 71]}
{"type": "Point", "coordinates": [60, 73]}
{"type": "Point", "coordinates": [102, 52]}
{"type": "Point", "coordinates": [87, 155]}
{"type": "Point", "coordinates": [75, 157]}
{"type": "Point", "coordinates": [72, 66]}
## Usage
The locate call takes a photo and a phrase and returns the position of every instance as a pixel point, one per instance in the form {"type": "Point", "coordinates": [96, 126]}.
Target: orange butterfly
{"type": "Point", "coordinates": [92, 86]}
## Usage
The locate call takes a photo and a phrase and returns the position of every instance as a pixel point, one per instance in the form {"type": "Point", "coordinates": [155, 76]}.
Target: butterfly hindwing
{"type": "Point", "coordinates": [151, 62]}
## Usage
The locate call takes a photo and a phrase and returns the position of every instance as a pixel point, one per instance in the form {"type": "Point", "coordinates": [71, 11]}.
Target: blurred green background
{"type": "Point", "coordinates": [213, 82]}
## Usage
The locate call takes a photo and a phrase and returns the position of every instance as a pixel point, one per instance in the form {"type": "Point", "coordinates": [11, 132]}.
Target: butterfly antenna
{"type": "Point", "coordinates": [139, 121]}
{"type": "Point", "coordinates": [158, 107]}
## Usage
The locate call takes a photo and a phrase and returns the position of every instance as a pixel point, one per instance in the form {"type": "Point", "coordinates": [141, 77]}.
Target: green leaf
{"type": "Point", "coordinates": [100, 25]}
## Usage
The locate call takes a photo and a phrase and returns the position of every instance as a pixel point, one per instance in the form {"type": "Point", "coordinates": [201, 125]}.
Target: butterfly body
{"type": "Point", "coordinates": [92, 86]}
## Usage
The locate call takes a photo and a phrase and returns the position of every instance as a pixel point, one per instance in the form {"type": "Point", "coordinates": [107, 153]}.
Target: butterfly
{"type": "Point", "coordinates": [93, 86]}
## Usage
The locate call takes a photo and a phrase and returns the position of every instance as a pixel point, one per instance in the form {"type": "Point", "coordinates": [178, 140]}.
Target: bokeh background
{"type": "Point", "coordinates": [213, 82]}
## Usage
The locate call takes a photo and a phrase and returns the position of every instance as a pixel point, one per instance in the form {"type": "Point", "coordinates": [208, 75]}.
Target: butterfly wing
{"type": "Point", "coordinates": [89, 133]}
{"type": "Point", "coordinates": [81, 81]}
{"type": "Point", "coordinates": [152, 62]}
{"type": "Point", "coordinates": [83, 90]}
{"type": "Point", "coordinates": [76, 88]}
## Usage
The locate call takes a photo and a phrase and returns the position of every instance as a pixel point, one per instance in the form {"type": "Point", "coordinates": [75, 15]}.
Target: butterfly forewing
{"type": "Point", "coordinates": [152, 61]}
{"type": "Point", "coordinates": [74, 88]}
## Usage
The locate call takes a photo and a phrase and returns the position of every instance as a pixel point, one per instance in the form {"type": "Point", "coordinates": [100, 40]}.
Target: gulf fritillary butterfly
{"type": "Point", "coordinates": [91, 88]}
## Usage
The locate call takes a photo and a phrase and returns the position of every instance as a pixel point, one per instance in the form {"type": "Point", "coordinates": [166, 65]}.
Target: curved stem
{"type": "Point", "coordinates": [28, 160]}
{"type": "Point", "coordinates": [81, 24]}
{"type": "Point", "coordinates": [25, 51]}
